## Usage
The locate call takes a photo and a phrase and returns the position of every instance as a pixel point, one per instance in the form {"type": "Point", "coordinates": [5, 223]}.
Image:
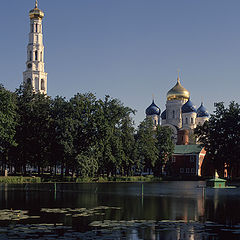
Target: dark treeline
{"type": "Point", "coordinates": [84, 136]}
{"type": "Point", "coordinates": [220, 136]}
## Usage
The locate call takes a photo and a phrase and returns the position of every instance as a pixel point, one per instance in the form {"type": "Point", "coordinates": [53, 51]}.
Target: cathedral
{"type": "Point", "coordinates": [35, 73]}
{"type": "Point", "coordinates": [180, 114]}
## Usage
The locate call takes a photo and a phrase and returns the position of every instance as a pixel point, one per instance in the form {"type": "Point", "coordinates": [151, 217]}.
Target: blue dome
{"type": "Point", "coordinates": [164, 115]}
{"type": "Point", "coordinates": [188, 107]}
{"type": "Point", "coordinates": [202, 111]}
{"type": "Point", "coordinates": [153, 109]}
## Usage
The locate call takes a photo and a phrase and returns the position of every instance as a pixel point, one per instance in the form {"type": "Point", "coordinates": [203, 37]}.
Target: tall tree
{"type": "Point", "coordinates": [84, 109]}
{"type": "Point", "coordinates": [165, 148]}
{"type": "Point", "coordinates": [221, 137]}
{"type": "Point", "coordinates": [33, 128]}
{"type": "Point", "coordinates": [110, 147]}
{"type": "Point", "coordinates": [8, 121]}
{"type": "Point", "coordinates": [146, 144]}
{"type": "Point", "coordinates": [61, 133]}
{"type": "Point", "coordinates": [129, 154]}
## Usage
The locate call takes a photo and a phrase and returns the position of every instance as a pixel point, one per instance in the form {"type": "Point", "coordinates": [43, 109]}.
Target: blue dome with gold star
{"type": "Point", "coordinates": [153, 109]}
{"type": "Point", "coordinates": [202, 111]}
{"type": "Point", "coordinates": [189, 107]}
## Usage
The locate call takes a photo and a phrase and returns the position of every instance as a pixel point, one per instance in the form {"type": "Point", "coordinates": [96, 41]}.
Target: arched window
{"type": "Point", "coordinates": [42, 85]}
{"type": "Point", "coordinates": [173, 114]}
{"type": "Point", "coordinates": [186, 120]}
{"type": "Point", "coordinates": [36, 27]}
{"type": "Point", "coordinates": [30, 56]}
{"type": "Point", "coordinates": [192, 120]}
{"type": "Point", "coordinates": [41, 58]}
{"type": "Point", "coordinates": [32, 28]}
{"type": "Point", "coordinates": [36, 55]}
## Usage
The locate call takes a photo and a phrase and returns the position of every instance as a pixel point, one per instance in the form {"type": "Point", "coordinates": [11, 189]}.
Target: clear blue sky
{"type": "Point", "coordinates": [129, 49]}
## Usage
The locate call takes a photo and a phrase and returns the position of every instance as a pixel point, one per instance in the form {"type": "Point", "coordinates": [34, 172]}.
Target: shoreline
{"type": "Point", "coordinates": [115, 179]}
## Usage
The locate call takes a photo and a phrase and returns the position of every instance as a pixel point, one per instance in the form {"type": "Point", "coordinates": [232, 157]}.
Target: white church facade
{"type": "Point", "coordinates": [35, 68]}
{"type": "Point", "coordinates": [181, 115]}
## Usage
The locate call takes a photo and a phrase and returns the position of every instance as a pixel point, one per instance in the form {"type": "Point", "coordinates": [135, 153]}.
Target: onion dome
{"type": "Point", "coordinates": [153, 109]}
{"type": "Point", "coordinates": [189, 107]}
{"type": "Point", "coordinates": [178, 92]}
{"type": "Point", "coordinates": [202, 111]}
{"type": "Point", "coordinates": [164, 114]}
{"type": "Point", "coordinates": [36, 13]}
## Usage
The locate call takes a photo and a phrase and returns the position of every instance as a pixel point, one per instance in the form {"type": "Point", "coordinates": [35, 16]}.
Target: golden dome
{"type": "Point", "coordinates": [36, 13]}
{"type": "Point", "coordinates": [178, 92]}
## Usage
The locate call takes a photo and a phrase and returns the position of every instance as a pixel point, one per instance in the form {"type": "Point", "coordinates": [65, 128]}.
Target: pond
{"type": "Point", "coordinates": [133, 211]}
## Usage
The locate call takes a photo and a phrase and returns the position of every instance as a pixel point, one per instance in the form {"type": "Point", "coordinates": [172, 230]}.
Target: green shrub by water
{"type": "Point", "coordinates": [20, 179]}
{"type": "Point", "coordinates": [148, 178]}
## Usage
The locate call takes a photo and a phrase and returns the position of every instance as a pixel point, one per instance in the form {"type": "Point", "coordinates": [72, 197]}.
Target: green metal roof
{"type": "Point", "coordinates": [216, 180]}
{"type": "Point", "coordinates": [187, 149]}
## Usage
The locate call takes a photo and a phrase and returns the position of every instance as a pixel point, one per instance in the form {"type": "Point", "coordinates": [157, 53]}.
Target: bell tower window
{"type": "Point", "coordinates": [42, 85]}
{"type": "Point", "coordinates": [36, 55]}
{"type": "Point", "coordinates": [173, 114]}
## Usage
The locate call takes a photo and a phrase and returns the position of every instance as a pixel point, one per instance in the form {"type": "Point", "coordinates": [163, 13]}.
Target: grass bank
{"type": "Point", "coordinates": [47, 178]}
{"type": "Point", "coordinates": [19, 179]}
{"type": "Point", "coordinates": [149, 178]}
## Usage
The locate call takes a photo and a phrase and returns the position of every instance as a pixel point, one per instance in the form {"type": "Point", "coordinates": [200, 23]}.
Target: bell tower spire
{"type": "Point", "coordinates": [35, 73]}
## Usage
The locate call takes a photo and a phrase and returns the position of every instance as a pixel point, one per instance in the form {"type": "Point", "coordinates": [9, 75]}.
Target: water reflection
{"type": "Point", "coordinates": [168, 210]}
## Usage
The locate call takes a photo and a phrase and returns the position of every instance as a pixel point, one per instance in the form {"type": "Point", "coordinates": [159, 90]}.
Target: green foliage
{"type": "Point", "coordinates": [87, 165]}
{"type": "Point", "coordinates": [148, 178]}
{"type": "Point", "coordinates": [165, 148]}
{"type": "Point", "coordinates": [146, 144]}
{"type": "Point", "coordinates": [20, 179]}
{"type": "Point", "coordinates": [81, 138]}
{"type": "Point", "coordinates": [220, 137]}
{"type": "Point", "coordinates": [32, 131]}
{"type": "Point", "coordinates": [8, 122]}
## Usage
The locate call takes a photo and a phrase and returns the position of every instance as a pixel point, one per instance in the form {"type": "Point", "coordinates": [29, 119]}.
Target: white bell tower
{"type": "Point", "coordinates": [35, 73]}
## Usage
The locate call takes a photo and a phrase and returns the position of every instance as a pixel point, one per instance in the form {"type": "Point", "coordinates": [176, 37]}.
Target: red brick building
{"type": "Point", "coordinates": [187, 160]}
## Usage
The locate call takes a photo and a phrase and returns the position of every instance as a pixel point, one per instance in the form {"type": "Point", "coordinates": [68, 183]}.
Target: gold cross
{"type": "Point", "coordinates": [178, 78]}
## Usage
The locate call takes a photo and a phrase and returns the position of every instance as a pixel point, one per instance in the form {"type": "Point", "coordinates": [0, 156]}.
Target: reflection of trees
{"type": "Point", "coordinates": [218, 206]}
{"type": "Point", "coordinates": [222, 208]}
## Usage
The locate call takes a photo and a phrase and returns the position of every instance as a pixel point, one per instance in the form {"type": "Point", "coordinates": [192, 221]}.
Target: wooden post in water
{"type": "Point", "coordinates": [55, 191]}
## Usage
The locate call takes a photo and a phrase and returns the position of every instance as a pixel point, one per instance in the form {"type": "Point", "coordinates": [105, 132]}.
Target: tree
{"type": "Point", "coordinates": [109, 117]}
{"type": "Point", "coordinates": [165, 148]}
{"type": "Point", "coordinates": [146, 144]}
{"type": "Point", "coordinates": [220, 137]}
{"type": "Point", "coordinates": [61, 133]}
{"type": "Point", "coordinates": [129, 158]}
{"type": "Point", "coordinates": [84, 108]}
{"type": "Point", "coordinates": [8, 121]}
{"type": "Point", "coordinates": [32, 131]}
